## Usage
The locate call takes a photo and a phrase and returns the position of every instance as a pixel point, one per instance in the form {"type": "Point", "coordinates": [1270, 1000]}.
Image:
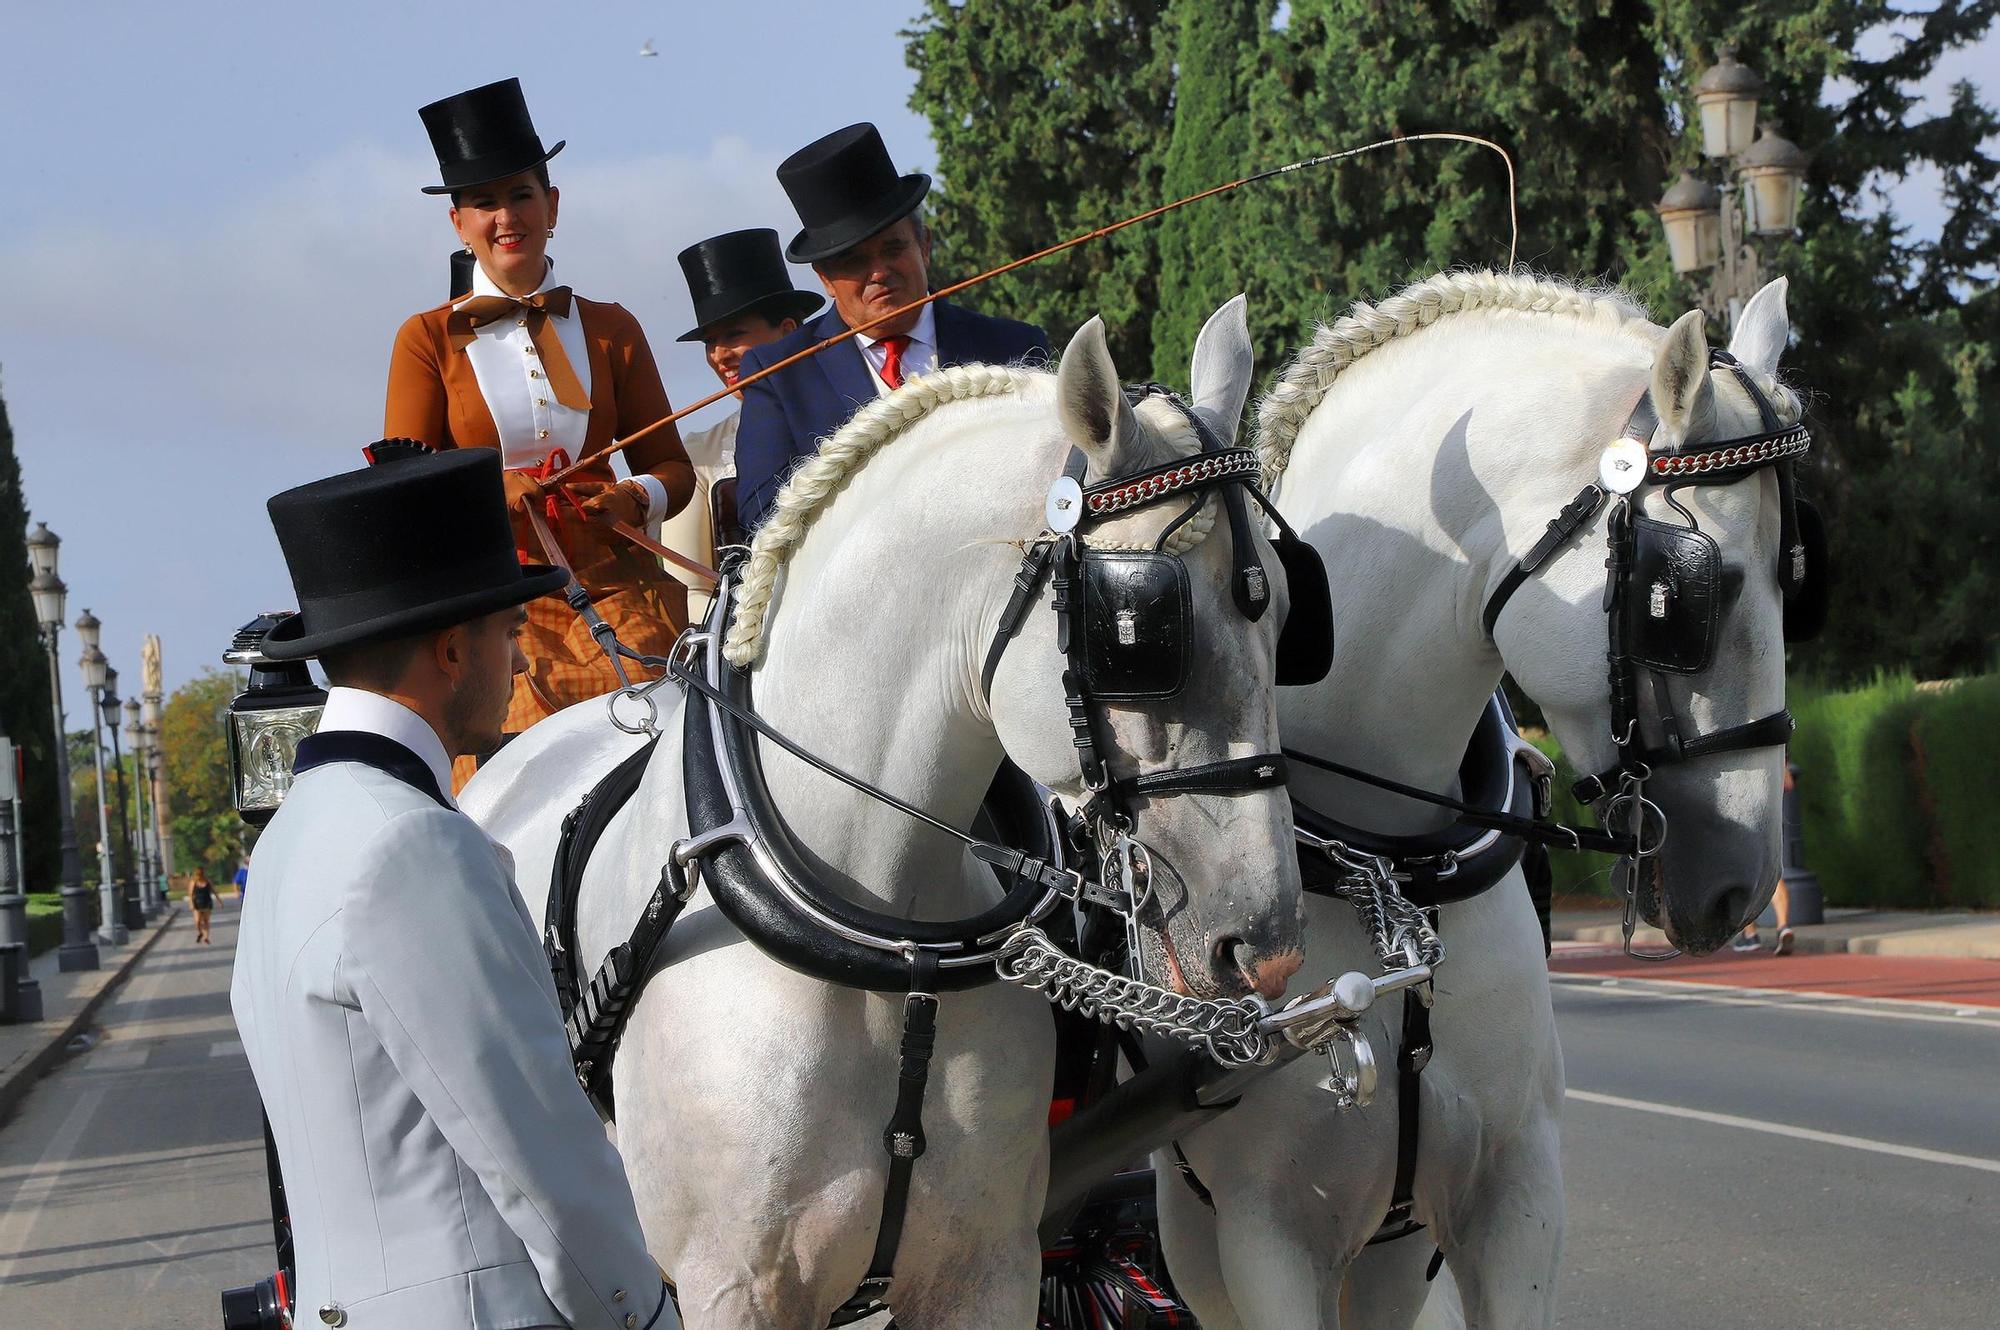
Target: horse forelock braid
{"type": "Point", "coordinates": [814, 482]}
{"type": "Point", "coordinates": [1282, 412]}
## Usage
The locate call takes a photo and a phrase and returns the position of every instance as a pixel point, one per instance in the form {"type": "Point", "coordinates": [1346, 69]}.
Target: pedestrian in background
{"type": "Point", "coordinates": [242, 879]}
{"type": "Point", "coordinates": [201, 899]}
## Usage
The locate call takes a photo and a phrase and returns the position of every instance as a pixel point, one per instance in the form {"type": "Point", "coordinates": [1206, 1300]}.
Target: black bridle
{"type": "Point", "coordinates": [1683, 596]}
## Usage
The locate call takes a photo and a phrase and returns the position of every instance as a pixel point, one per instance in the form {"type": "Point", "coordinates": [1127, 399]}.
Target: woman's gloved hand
{"type": "Point", "coordinates": [522, 489]}
{"type": "Point", "coordinates": [624, 502]}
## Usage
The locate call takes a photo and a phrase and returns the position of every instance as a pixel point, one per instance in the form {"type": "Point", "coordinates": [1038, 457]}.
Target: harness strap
{"type": "Point", "coordinates": [1562, 526]}
{"type": "Point", "coordinates": [1772, 731]}
{"type": "Point", "coordinates": [1411, 1059]}
{"type": "Point", "coordinates": [1236, 775]}
{"type": "Point", "coordinates": [581, 831]}
{"type": "Point", "coordinates": [1559, 834]}
{"type": "Point", "coordinates": [903, 1138]}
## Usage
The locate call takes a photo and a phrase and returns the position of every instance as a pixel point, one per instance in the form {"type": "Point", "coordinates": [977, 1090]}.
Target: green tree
{"type": "Point", "coordinates": [1895, 335]}
{"type": "Point", "coordinates": [25, 715]}
{"type": "Point", "coordinates": [1206, 249]}
{"type": "Point", "coordinates": [1048, 120]}
{"type": "Point", "coordinates": [1571, 90]}
{"type": "Point", "coordinates": [206, 829]}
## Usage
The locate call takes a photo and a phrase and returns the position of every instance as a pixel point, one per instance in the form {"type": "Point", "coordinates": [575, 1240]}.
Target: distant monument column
{"type": "Point", "coordinates": [163, 816]}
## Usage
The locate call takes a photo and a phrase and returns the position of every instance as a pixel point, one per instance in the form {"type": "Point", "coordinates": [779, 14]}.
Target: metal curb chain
{"type": "Point", "coordinates": [1226, 1031]}
{"type": "Point", "coordinates": [1397, 927]}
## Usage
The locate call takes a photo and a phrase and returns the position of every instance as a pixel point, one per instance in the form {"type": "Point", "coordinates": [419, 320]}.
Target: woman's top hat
{"type": "Point", "coordinates": [738, 272]}
{"type": "Point", "coordinates": [483, 135]}
{"type": "Point", "coordinates": [418, 543]}
{"type": "Point", "coordinates": [845, 189]}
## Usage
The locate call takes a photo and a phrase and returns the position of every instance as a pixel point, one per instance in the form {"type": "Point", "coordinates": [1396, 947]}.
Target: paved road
{"type": "Point", "coordinates": [1841, 1167]}
{"type": "Point", "coordinates": [1846, 1172]}
{"type": "Point", "coordinates": [132, 1177]}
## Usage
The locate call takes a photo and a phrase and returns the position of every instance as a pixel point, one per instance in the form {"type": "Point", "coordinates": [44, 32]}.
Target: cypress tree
{"type": "Point", "coordinates": [24, 677]}
{"type": "Point", "coordinates": [1206, 249]}
{"type": "Point", "coordinates": [1049, 120]}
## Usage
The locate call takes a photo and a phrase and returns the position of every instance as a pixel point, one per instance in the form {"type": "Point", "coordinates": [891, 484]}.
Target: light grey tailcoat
{"type": "Point", "coordinates": [443, 1168]}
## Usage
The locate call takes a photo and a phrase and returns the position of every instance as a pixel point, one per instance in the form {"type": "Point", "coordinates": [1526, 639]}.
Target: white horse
{"type": "Point", "coordinates": [1430, 440]}
{"type": "Point", "coordinates": [751, 1097]}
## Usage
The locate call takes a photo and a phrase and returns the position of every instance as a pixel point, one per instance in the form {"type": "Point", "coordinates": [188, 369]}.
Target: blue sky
{"type": "Point", "coordinates": [212, 228]}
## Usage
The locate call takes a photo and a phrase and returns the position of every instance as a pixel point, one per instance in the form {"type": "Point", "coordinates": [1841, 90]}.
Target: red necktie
{"type": "Point", "coordinates": [892, 359]}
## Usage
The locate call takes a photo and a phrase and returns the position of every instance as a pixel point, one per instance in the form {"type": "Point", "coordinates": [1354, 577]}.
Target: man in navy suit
{"type": "Point", "coordinates": [872, 253]}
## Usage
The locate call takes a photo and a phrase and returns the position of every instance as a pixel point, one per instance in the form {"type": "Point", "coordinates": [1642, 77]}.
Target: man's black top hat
{"type": "Point", "coordinates": [483, 135]}
{"type": "Point", "coordinates": [845, 189]}
{"type": "Point", "coordinates": [417, 543]}
{"type": "Point", "coordinates": [737, 272]}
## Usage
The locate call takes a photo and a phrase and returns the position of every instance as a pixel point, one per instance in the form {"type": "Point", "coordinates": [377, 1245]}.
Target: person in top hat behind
{"type": "Point", "coordinates": [442, 1165]}
{"type": "Point", "coordinates": [743, 298]}
{"type": "Point", "coordinates": [547, 378]}
{"type": "Point", "coordinates": [864, 238]}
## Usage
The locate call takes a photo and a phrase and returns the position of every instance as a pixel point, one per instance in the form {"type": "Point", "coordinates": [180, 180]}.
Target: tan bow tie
{"type": "Point", "coordinates": [533, 312]}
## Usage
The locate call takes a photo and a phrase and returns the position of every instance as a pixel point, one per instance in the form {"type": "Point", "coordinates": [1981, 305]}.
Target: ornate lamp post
{"type": "Point", "coordinates": [1718, 217]}
{"type": "Point", "coordinates": [128, 892]}
{"type": "Point", "coordinates": [110, 912]}
{"type": "Point", "coordinates": [77, 952]}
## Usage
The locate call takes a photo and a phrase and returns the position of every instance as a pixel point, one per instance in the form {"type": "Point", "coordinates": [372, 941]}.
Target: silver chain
{"type": "Point", "coordinates": [1226, 1031]}
{"type": "Point", "coordinates": [1397, 927]}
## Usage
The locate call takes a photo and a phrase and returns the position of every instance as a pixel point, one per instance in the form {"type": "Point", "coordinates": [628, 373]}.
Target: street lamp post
{"type": "Point", "coordinates": [110, 912]}
{"type": "Point", "coordinates": [1720, 216]}
{"type": "Point", "coordinates": [77, 952]}
{"type": "Point", "coordinates": [136, 738]}
{"type": "Point", "coordinates": [128, 891]}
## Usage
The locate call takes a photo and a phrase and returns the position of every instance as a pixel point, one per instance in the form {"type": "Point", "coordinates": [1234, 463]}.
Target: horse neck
{"type": "Point", "coordinates": [874, 652]}
{"type": "Point", "coordinates": [1421, 476]}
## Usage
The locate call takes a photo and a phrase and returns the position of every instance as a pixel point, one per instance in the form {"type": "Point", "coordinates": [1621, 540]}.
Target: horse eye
{"type": "Point", "coordinates": [1730, 584]}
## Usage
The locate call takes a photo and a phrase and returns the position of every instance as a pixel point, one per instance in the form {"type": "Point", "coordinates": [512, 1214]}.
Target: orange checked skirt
{"type": "Point", "coordinates": [646, 607]}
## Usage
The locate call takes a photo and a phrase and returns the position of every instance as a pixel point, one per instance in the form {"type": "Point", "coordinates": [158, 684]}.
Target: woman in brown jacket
{"type": "Point", "coordinates": [548, 378]}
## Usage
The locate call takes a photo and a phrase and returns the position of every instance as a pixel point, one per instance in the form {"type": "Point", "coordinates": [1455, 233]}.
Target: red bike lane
{"type": "Point", "coordinates": [1940, 979]}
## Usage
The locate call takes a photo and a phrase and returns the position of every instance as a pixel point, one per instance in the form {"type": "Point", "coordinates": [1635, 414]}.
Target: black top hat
{"type": "Point", "coordinates": [483, 135]}
{"type": "Point", "coordinates": [739, 271]}
{"type": "Point", "coordinates": [419, 542]}
{"type": "Point", "coordinates": [845, 189]}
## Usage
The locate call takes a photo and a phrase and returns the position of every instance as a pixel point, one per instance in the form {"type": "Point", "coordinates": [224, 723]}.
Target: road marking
{"type": "Point", "coordinates": [40, 1182]}
{"type": "Point", "coordinates": [226, 1048]}
{"type": "Point", "coordinates": [1785, 1129]}
{"type": "Point", "coordinates": [1789, 999]}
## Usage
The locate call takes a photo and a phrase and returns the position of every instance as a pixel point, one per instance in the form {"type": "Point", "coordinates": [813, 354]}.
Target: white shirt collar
{"type": "Point", "coordinates": [482, 285]}
{"type": "Point", "coordinates": [924, 334]}
{"type": "Point", "coordinates": [372, 713]}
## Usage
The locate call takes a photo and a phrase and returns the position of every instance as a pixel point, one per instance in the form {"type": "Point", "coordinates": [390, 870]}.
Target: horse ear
{"type": "Point", "coordinates": [1763, 329]}
{"type": "Point", "coordinates": [1090, 402]}
{"type": "Point", "coordinates": [1682, 392]}
{"type": "Point", "coordinates": [1223, 363]}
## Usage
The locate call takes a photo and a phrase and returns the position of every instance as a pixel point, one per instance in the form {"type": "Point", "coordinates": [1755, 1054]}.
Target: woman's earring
{"type": "Point", "coordinates": [466, 250]}
{"type": "Point", "coordinates": [552, 233]}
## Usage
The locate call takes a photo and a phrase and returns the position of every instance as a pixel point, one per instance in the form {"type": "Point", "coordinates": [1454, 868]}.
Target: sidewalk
{"type": "Point", "coordinates": [68, 1003]}
{"type": "Point", "coordinates": [1960, 935]}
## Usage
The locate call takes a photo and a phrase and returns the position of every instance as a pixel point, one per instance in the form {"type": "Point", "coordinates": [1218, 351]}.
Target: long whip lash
{"type": "Point", "coordinates": [1513, 244]}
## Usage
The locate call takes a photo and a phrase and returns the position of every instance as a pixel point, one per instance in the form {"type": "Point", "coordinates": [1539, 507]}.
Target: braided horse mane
{"type": "Point", "coordinates": [1364, 328]}
{"type": "Point", "coordinates": [814, 483]}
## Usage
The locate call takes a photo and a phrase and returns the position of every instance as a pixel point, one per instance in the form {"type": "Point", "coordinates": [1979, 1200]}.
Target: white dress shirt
{"type": "Point", "coordinates": [919, 357]}
{"type": "Point", "coordinates": [372, 713]}
{"type": "Point", "coordinates": [530, 421]}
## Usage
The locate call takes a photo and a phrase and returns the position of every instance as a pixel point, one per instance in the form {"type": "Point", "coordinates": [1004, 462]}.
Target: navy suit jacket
{"type": "Point", "coordinates": [786, 415]}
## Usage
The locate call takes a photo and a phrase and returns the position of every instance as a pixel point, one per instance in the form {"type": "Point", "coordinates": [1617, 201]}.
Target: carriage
{"type": "Point", "coordinates": [829, 939]}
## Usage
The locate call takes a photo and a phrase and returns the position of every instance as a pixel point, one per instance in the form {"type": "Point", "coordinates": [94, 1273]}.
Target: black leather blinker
{"type": "Point", "coordinates": [1672, 594]}
{"type": "Point", "coordinates": [1135, 624]}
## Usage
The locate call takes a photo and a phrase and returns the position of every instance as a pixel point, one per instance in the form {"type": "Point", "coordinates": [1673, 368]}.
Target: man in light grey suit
{"type": "Point", "coordinates": [442, 1166]}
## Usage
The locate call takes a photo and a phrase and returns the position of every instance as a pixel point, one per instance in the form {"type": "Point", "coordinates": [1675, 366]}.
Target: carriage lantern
{"type": "Point", "coordinates": [1727, 97]}
{"type": "Point", "coordinates": [1774, 175]}
{"type": "Point", "coordinates": [1692, 213]}
{"type": "Point", "coordinates": [266, 720]}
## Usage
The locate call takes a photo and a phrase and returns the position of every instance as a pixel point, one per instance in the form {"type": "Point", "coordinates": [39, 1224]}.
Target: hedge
{"type": "Point", "coordinates": [1896, 793]}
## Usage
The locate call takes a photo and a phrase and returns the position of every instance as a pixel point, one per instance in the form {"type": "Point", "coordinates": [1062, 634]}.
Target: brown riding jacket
{"type": "Point", "coordinates": [434, 397]}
